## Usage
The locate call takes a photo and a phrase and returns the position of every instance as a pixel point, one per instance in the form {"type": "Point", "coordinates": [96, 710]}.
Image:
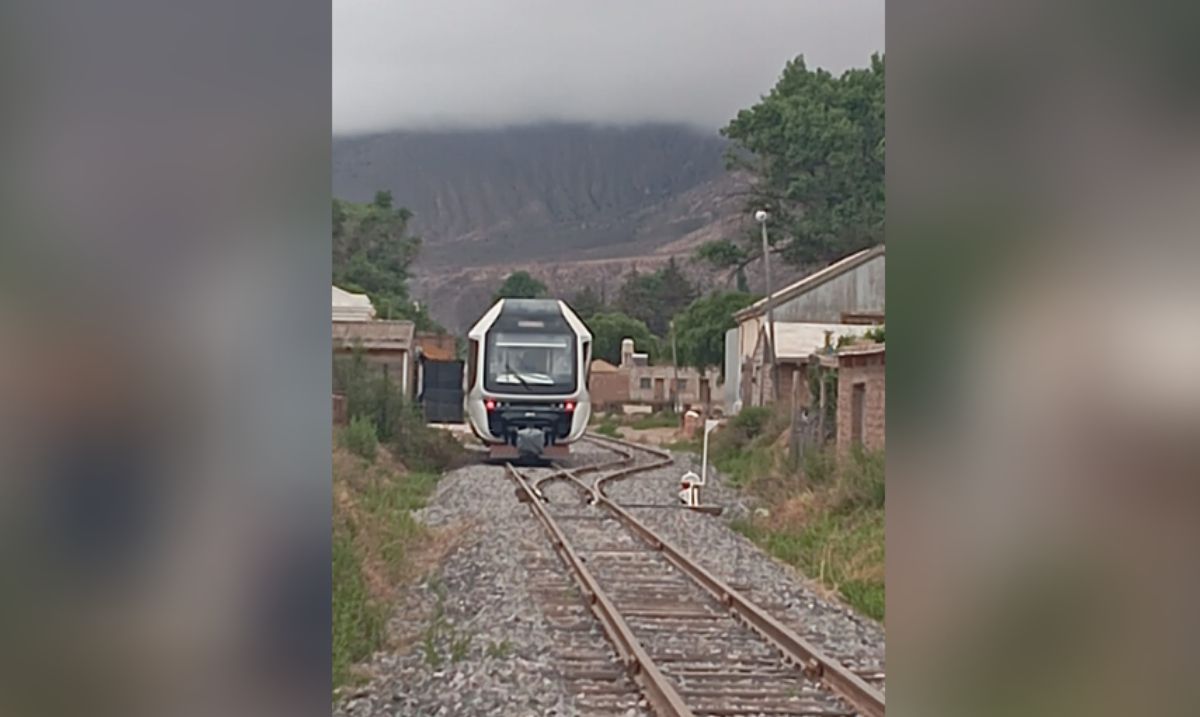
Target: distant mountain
{"type": "Point", "coordinates": [568, 202]}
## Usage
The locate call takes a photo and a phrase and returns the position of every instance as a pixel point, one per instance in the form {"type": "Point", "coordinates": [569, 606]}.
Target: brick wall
{"type": "Point", "coordinates": [608, 389]}
{"type": "Point", "coordinates": [868, 372]}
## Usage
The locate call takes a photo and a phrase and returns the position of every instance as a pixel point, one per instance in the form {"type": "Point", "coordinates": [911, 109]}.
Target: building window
{"type": "Point", "coordinates": [644, 384]}
{"type": "Point", "coordinates": [681, 384]}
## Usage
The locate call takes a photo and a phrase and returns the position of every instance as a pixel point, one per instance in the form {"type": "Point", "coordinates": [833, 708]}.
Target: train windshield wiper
{"type": "Point", "coordinates": [508, 367]}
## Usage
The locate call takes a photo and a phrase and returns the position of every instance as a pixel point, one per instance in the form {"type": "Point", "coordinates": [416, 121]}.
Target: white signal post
{"type": "Point", "coordinates": [690, 487]}
{"type": "Point", "coordinates": [709, 425]}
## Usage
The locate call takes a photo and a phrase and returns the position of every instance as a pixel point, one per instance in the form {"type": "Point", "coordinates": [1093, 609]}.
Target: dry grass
{"type": "Point", "coordinates": [378, 549]}
{"type": "Point", "coordinates": [825, 516]}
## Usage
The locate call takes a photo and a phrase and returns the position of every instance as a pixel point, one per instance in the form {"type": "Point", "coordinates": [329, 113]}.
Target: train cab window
{"type": "Point", "coordinates": [530, 363]}
{"type": "Point", "coordinates": [587, 361]}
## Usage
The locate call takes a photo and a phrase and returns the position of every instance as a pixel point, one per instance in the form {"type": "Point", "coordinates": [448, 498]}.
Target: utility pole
{"type": "Point", "coordinates": [674, 370]}
{"type": "Point", "coordinates": [761, 217]}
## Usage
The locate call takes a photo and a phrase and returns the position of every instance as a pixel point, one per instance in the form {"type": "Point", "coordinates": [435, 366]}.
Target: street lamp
{"type": "Point", "coordinates": [761, 217]}
{"type": "Point", "coordinates": [676, 404]}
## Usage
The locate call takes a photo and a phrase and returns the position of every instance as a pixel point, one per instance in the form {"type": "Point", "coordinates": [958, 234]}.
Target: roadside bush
{"type": "Point", "coordinates": [751, 421]}
{"type": "Point", "coordinates": [421, 446]}
{"type": "Point", "coordinates": [372, 397]}
{"type": "Point", "coordinates": [820, 466]}
{"type": "Point", "coordinates": [666, 419]}
{"type": "Point", "coordinates": [861, 482]}
{"type": "Point", "coordinates": [360, 438]}
{"type": "Point", "coordinates": [369, 393]}
{"type": "Point", "coordinates": [608, 427]}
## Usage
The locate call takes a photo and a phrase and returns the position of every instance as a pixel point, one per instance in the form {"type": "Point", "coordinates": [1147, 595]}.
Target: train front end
{"type": "Point", "coordinates": [527, 370]}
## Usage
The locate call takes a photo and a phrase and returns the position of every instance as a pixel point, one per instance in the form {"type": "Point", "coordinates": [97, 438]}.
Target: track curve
{"type": "Point", "coordinates": [693, 644]}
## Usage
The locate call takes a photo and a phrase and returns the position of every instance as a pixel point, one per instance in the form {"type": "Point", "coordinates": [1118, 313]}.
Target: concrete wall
{"type": "Point", "coordinates": [643, 379]}
{"type": "Point", "coordinates": [869, 372]}
{"type": "Point", "coordinates": [733, 370]}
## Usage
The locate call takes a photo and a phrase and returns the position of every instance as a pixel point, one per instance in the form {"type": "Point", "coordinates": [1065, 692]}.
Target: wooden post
{"type": "Point", "coordinates": [821, 416]}
{"type": "Point", "coordinates": [797, 425]}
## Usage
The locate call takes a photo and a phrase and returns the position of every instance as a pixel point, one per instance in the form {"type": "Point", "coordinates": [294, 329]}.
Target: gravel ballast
{"type": "Point", "coordinates": [481, 636]}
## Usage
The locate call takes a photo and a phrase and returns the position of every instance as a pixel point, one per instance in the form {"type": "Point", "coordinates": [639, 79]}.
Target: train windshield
{"type": "Point", "coordinates": [531, 363]}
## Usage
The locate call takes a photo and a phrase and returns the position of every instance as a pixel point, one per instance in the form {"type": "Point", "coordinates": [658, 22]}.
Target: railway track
{"type": "Point", "coordinates": [683, 641]}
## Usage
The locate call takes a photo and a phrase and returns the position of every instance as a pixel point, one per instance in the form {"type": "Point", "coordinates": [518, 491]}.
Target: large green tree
{"type": "Point", "coordinates": [654, 298]}
{"type": "Point", "coordinates": [611, 328]}
{"type": "Point", "coordinates": [700, 329]}
{"type": "Point", "coordinates": [815, 146]}
{"type": "Point", "coordinates": [520, 285]}
{"type": "Point", "coordinates": [372, 253]}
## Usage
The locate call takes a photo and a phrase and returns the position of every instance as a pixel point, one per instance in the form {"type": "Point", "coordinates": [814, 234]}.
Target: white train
{"type": "Point", "coordinates": [526, 378]}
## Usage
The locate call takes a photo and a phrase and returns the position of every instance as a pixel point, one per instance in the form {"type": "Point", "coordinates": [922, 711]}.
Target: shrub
{"type": "Point", "coordinates": [861, 481]}
{"type": "Point", "coordinates": [667, 419]}
{"type": "Point", "coordinates": [359, 437]}
{"type": "Point", "coordinates": [420, 446]}
{"type": "Point", "coordinates": [820, 466]}
{"type": "Point", "coordinates": [608, 427]}
{"type": "Point", "coordinates": [373, 397]}
{"type": "Point", "coordinates": [751, 421]}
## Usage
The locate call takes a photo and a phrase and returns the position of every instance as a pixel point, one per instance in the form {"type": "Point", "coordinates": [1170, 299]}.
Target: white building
{"type": "Point", "coordinates": [351, 307]}
{"type": "Point", "coordinates": [848, 291]}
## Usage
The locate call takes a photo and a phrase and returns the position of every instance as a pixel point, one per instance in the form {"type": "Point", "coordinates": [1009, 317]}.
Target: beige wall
{"type": "Point", "coordinates": [689, 392]}
{"type": "Point", "coordinates": [652, 384]}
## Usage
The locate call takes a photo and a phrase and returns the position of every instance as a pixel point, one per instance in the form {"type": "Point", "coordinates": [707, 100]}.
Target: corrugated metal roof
{"type": "Point", "coordinates": [861, 349]}
{"type": "Point", "coordinates": [811, 281]}
{"type": "Point", "coordinates": [377, 335]}
{"type": "Point", "coordinates": [799, 340]}
{"type": "Point", "coordinates": [351, 307]}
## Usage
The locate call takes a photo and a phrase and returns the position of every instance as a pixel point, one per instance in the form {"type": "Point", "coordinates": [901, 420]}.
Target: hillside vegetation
{"type": "Point", "coordinates": [535, 192]}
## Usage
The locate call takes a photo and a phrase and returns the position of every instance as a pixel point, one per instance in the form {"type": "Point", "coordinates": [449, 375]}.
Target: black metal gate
{"type": "Point", "coordinates": [442, 391]}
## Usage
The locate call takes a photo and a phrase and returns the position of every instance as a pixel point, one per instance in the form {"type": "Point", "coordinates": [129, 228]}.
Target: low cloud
{"type": "Point", "coordinates": [481, 63]}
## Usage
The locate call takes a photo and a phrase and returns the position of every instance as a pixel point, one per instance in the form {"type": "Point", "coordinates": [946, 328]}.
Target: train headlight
{"type": "Point", "coordinates": [569, 406]}
{"type": "Point", "coordinates": [489, 405]}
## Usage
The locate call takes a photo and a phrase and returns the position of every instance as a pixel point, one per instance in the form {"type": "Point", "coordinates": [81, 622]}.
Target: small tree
{"type": "Point", "coordinates": [655, 298]}
{"type": "Point", "coordinates": [383, 199]}
{"type": "Point", "coordinates": [610, 329]}
{"type": "Point", "coordinates": [520, 285]}
{"type": "Point", "coordinates": [700, 329]}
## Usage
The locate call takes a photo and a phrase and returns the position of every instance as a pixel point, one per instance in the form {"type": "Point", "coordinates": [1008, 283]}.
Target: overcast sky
{"type": "Point", "coordinates": [479, 63]}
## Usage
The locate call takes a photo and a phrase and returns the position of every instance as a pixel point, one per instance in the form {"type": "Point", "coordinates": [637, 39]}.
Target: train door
{"type": "Point", "coordinates": [442, 391]}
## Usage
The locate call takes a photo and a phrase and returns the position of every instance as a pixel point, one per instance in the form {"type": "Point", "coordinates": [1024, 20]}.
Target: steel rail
{"type": "Point", "coordinates": [626, 457]}
{"type": "Point", "coordinates": [659, 691]}
{"type": "Point", "coordinates": [796, 649]}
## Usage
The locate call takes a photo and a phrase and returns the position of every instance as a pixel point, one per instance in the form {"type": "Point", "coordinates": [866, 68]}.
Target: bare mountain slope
{"type": "Point", "coordinates": [571, 203]}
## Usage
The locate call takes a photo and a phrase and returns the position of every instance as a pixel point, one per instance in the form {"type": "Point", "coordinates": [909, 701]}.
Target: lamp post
{"type": "Point", "coordinates": [675, 403]}
{"type": "Point", "coordinates": [761, 217]}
